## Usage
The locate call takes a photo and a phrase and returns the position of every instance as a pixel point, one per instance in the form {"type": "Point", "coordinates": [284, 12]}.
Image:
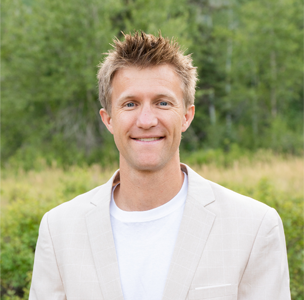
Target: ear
{"type": "Point", "coordinates": [106, 119]}
{"type": "Point", "coordinates": [188, 117]}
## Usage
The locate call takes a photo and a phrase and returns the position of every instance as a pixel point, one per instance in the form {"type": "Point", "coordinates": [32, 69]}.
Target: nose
{"type": "Point", "coordinates": [146, 118]}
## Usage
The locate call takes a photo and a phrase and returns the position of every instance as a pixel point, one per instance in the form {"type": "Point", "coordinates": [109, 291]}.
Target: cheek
{"type": "Point", "coordinates": [173, 119]}
{"type": "Point", "coordinates": [121, 126]}
{"type": "Point", "coordinates": [179, 124]}
{"type": "Point", "coordinates": [175, 127]}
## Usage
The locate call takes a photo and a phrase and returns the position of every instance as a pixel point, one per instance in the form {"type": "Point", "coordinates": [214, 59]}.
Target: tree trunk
{"type": "Point", "coordinates": [228, 72]}
{"type": "Point", "coordinates": [273, 96]}
{"type": "Point", "coordinates": [212, 113]}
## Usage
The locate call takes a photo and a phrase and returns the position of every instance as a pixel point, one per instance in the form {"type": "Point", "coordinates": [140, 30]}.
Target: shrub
{"type": "Point", "coordinates": [290, 209]}
{"type": "Point", "coordinates": [218, 157]}
{"type": "Point", "coordinates": [24, 210]}
{"type": "Point", "coordinates": [20, 223]}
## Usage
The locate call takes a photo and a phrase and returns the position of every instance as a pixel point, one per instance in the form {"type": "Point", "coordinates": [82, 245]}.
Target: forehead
{"type": "Point", "coordinates": [156, 79]}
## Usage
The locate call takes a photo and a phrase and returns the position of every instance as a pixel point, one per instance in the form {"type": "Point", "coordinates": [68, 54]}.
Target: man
{"type": "Point", "coordinates": [157, 230]}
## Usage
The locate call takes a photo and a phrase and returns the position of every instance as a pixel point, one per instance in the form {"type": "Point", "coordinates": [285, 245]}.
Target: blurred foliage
{"type": "Point", "coordinates": [26, 203]}
{"type": "Point", "coordinates": [28, 195]}
{"type": "Point", "coordinates": [218, 157]}
{"type": "Point", "coordinates": [290, 209]}
{"type": "Point", "coordinates": [249, 96]}
{"type": "Point", "coordinates": [248, 55]}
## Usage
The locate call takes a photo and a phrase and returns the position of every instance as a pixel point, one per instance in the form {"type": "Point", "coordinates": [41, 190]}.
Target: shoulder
{"type": "Point", "coordinates": [70, 217]}
{"type": "Point", "coordinates": [85, 202]}
{"type": "Point", "coordinates": [227, 204]}
{"type": "Point", "coordinates": [237, 216]}
{"type": "Point", "coordinates": [81, 205]}
{"type": "Point", "coordinates": [77, 206]}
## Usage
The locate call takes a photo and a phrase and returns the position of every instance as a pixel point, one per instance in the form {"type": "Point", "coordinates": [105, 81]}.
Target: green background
{"type": "Point", "coordinates": [249, 97]}
{"type": "Point", "coordinates": [248, 55]}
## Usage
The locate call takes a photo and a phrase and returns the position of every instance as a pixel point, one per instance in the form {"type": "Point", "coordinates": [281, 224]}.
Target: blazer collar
{"type": "Point", "coordinates": [102, 242]}
{"type": "Point", "coordinates": [197, 187]}
{"type": "Point", "coordinates": [193, 233]}
{"type": "Point", "coordinates": [103, 193]}
{"type": "Point", "coordinates": [194, 230]}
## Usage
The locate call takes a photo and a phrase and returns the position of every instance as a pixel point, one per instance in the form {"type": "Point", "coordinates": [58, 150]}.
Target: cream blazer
{"type": "Point", "coordinates": [229, 247]}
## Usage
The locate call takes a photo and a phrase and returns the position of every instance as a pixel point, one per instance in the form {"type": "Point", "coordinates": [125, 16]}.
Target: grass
{"type": "Point", "coordinates": [49, 182]}
{"type": "Point", "coordinates": [285, 174]}
{"type": "Point", "coordinates": [26, 196]}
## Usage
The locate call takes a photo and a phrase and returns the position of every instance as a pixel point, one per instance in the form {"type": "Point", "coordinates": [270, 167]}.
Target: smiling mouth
{"type": "Point", "coordinates": [148, 139]}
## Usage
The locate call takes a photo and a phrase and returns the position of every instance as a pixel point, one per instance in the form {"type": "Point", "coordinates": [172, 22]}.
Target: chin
{"type": "Point", "coordinates": [148, 164]}
{"type": "Point", "coordinates": [148, 167]}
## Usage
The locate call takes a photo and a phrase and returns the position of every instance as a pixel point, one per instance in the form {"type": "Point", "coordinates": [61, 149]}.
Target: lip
{"type": "Point", "coordinates": [149, 139]}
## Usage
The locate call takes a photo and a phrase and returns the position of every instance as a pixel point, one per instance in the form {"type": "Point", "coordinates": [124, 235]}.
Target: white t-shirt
{"type": "Point", "coordinates": [144, 242]}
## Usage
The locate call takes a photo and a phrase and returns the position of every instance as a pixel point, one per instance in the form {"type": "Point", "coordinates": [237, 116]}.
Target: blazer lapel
{"type": "Point", "coordinates": [194, 230]}
{"type": "Point", "coordinates": [102, 243]}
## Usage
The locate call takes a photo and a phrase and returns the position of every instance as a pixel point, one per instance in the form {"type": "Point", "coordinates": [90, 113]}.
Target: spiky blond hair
{"type": "Point", "coordinates": [145, 50]}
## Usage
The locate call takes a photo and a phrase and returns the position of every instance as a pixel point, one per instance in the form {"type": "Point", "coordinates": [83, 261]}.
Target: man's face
{"type": "Point", "coordinates": [147, 116]}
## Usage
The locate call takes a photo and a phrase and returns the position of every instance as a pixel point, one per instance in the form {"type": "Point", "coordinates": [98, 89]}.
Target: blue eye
{"type": "Point", "coordinates": [130, 104]}
{"type": "Point", "coordinates": [163, 103]}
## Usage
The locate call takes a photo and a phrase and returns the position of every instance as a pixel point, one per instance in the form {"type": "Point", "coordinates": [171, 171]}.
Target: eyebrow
{"type": "Point", "coordinates": [130, 96]}
{"type": "Point", "coordinates": [166, 96]}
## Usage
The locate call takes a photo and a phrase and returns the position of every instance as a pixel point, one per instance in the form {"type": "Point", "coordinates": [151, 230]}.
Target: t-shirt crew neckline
{"type": "Point", "coordinates": [153, 214]}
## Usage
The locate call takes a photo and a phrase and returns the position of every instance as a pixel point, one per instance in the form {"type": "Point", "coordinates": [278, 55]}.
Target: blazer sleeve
{"type": "Point", "coordinates": [266, 275]}
{"type": "Point", "coordinates": [46, 281]}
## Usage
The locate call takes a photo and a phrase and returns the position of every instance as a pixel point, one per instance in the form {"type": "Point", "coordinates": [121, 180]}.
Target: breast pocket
{"type": "Point", "coordinates": [218, 292]}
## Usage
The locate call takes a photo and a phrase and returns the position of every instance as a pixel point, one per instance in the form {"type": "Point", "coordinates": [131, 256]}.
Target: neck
{"type": "Point", "coordinates": [143, 190]}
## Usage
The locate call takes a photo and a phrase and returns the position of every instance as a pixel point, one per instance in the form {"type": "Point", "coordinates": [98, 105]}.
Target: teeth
{"type": "Point", "coordinates": [149, 139]}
